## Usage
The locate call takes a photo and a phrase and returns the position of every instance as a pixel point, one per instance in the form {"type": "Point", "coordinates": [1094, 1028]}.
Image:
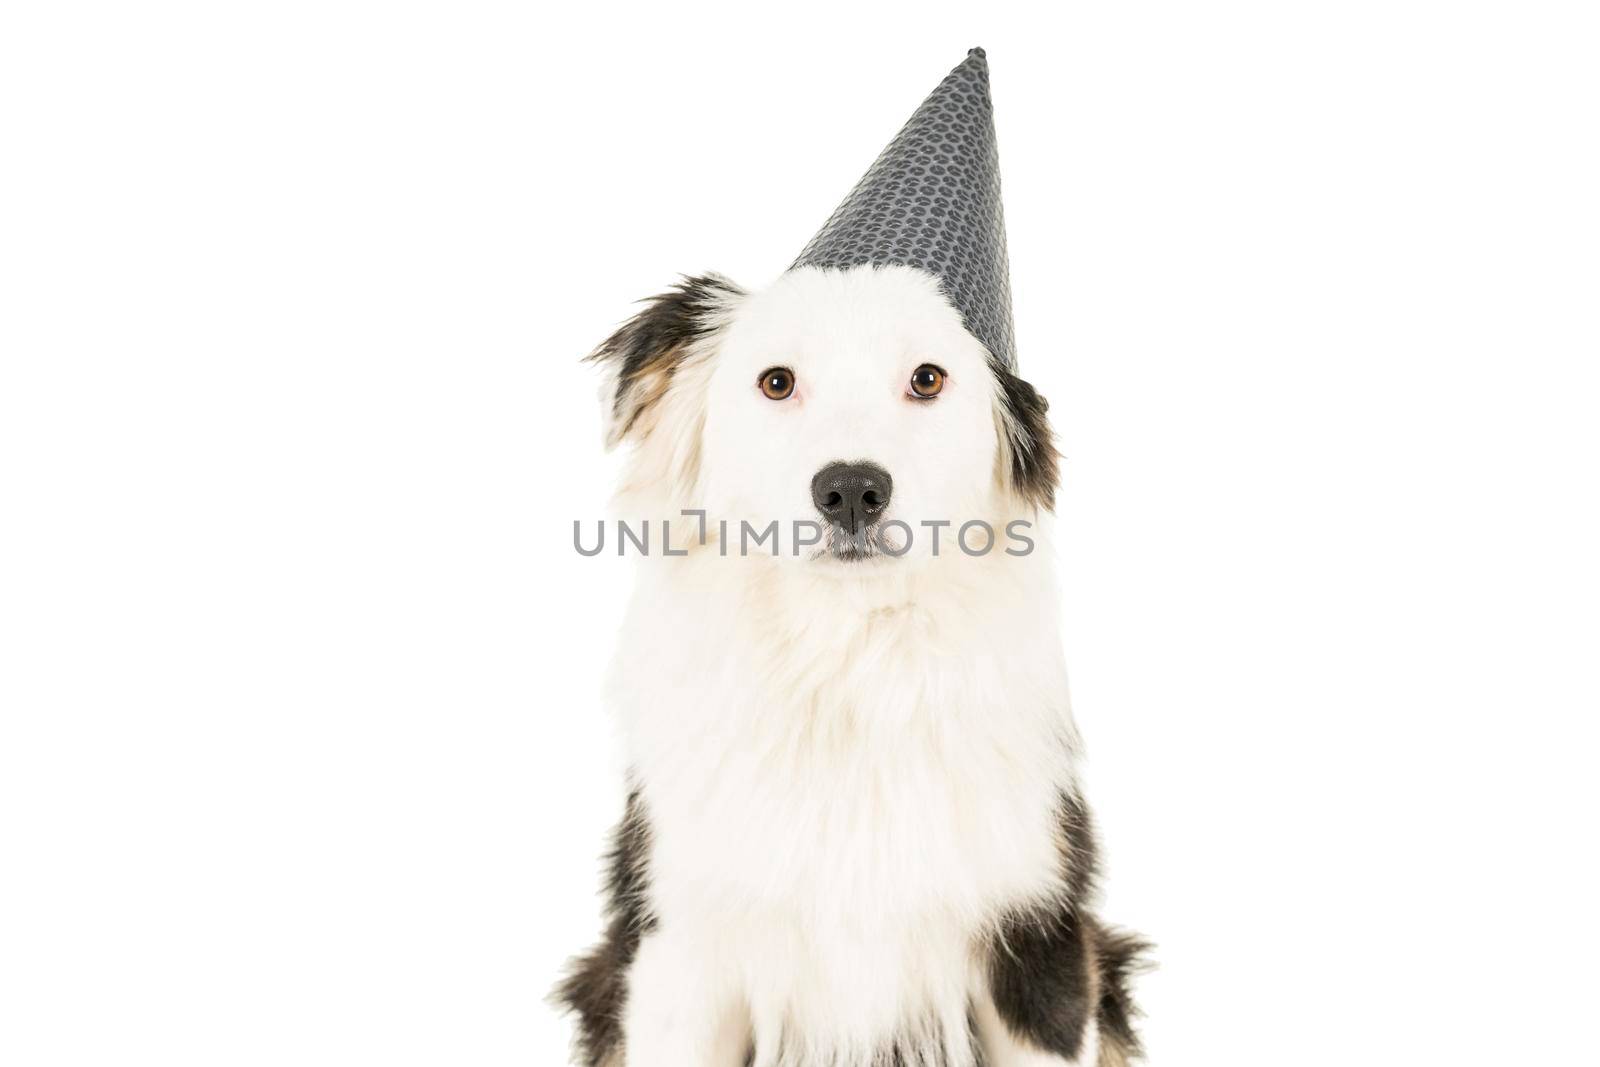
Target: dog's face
{"type": "Point", "coordinates": [851, 408]}
{"type": "Point", "coordinates": [848, 400]}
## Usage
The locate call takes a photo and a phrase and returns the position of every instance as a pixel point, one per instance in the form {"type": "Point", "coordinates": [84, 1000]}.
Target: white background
{"type": "Point", "coordinates": [301, 759]}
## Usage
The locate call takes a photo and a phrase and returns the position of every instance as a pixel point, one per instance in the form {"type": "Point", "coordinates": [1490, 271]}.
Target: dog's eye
{"type": "Point", "coordinates": [926, 381]}
{"type": "Point", "coordinates": [777, 383]}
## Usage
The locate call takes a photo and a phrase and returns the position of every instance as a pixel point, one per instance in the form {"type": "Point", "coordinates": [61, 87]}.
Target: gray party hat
{"type": "Point", "coordinates": [932, 201]}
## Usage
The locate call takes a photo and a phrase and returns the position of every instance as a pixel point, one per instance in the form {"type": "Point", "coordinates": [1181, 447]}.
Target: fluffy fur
{"type": "Point", "coordinates": [856, 835]}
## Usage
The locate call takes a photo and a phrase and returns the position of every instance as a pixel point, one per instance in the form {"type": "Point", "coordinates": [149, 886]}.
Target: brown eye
{"type": "Point", "coordinates": [777, 383]}
{"type": "Point", "coordinates": [926, 381]}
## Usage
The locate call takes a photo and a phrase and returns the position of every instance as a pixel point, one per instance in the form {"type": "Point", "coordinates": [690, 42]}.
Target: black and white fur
{"type": "Point", "coordinates": [855, 834]}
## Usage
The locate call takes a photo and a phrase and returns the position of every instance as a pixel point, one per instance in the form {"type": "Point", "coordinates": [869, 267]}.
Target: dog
{"type": "Point", "coordinates": [855, 833]}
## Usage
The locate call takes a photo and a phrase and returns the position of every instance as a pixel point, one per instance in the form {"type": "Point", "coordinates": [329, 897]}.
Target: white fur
{"type": "Point", "coordinates": [849, 769]}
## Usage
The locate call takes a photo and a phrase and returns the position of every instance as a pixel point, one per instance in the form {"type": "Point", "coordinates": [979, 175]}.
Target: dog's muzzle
{"type": "Point", "coordinates": [852, 496]}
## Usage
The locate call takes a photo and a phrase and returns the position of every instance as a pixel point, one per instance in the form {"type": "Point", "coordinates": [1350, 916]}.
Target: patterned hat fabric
{"type": "Point", "coordinates": [932, 201]}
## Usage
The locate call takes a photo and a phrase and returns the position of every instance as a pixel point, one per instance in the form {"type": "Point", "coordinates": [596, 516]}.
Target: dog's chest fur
{"type": "Point", "coordinates": [855, 788]}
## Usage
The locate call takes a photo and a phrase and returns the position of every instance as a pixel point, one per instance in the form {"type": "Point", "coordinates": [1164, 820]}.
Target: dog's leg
{"type": "Point", "coordinates": [1052, 990]}
{"type": "Point", "coordinates": [1037, 991]}
{"type": "Point", "coordinates": [1003, 1047]}
{"type": "Point", "coordinates": [683, 1010]}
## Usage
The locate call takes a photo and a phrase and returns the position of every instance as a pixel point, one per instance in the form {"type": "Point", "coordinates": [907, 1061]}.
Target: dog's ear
{"type": "Point", "coordinates": [1029, 463]}
{"type": "Point", "coordinates": [646, 351]}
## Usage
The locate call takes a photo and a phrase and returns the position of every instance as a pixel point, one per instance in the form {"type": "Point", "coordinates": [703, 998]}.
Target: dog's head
{"type": "Point", "coordinates": [851, 407]}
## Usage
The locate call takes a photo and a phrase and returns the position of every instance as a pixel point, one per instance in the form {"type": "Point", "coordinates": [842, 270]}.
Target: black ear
{"type": "Point", "coordinates": [1030, 446]}
{"type": "Point", "coordinates": [644, 352]}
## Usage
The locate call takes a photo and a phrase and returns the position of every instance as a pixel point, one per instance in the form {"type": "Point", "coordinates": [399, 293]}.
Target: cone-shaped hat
{"type": "Point", "coordinates": [932, 200]}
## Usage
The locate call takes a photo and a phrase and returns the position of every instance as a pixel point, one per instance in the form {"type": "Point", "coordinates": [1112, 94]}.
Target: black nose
{"type": "Point", "coordinates": [851, 495]}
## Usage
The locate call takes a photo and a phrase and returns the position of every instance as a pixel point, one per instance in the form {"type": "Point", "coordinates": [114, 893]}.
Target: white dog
{"type": "Point", "coordinates": [855, 834]}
